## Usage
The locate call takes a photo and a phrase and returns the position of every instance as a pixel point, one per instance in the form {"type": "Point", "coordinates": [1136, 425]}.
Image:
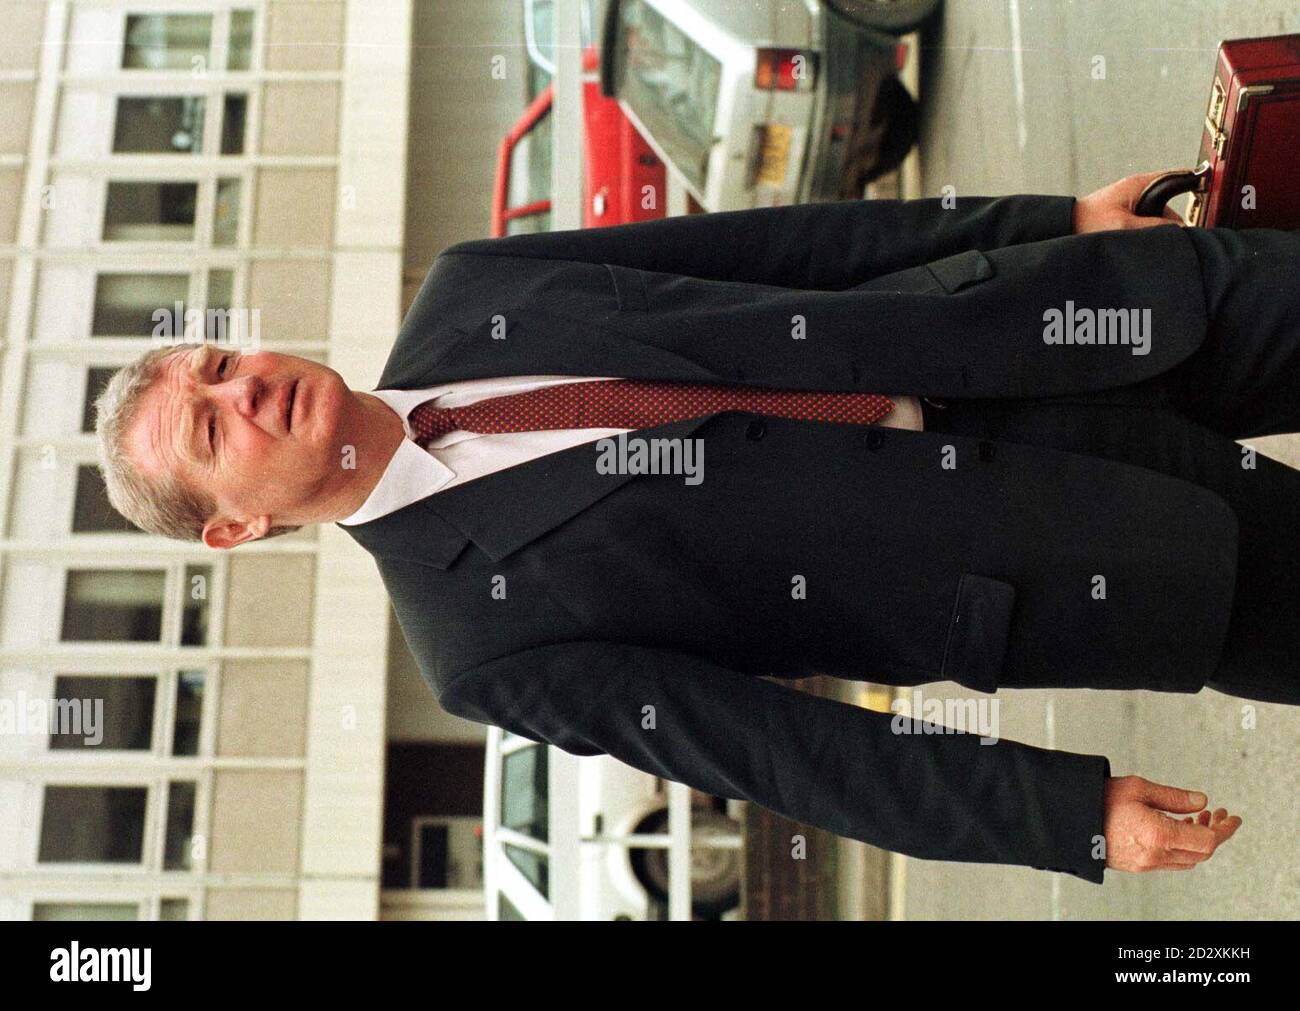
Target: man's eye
{"type": "Point", "coordinates": [221, 366]}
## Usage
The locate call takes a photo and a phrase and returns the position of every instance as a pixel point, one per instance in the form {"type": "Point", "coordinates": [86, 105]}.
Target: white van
{"type": "Point", "coordinates": [607, 875]}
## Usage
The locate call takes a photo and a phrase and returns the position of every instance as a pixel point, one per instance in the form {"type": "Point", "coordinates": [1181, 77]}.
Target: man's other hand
{"type": "Point", "coordinates": [1141, 837]}
{"type": "Point", "coordinates": [1112, 206]}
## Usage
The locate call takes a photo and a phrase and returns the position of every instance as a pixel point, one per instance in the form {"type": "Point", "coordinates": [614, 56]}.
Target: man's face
{"type": "Point", "coordinates": [261, 433]}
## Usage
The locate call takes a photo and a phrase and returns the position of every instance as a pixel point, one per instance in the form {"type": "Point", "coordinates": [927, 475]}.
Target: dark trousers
{"type": "Point", "coordinates": [1243, 382]}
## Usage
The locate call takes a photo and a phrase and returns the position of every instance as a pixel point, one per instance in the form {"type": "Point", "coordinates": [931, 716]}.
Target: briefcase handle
{"type": "Point", "coordinates": [1163, 188]}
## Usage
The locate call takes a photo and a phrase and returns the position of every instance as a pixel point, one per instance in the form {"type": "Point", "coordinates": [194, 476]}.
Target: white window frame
{"type": "Point", "coordinates": [165, 705]}
{"type": "Point", "coordinates": [172, 607]}
{"type": "Point", "coordinates": [148, 905]}
{"type": "Point", "coordinates": [218, 40]}
{"type": "Point", "coordinates": [209, 155]}
{"type": "Point", "coordinates": [197, 281]}
{"type": "Point", "coordinates": [109, 127]}
{"type": "Point", "coordinates": [205, 184]}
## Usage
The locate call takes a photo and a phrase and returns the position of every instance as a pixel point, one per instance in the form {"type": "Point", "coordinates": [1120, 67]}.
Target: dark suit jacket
{"type": "Point", "coordinates": [627, 592]}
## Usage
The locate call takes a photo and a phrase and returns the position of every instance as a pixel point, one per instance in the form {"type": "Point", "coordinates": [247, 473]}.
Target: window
{"type": "Point", "coordinates": [240, 55]}
{"type": "Point", "coordinates": [173, 909]}
{"type": "Point", "coordinates": [91, 512]}
{"type": "Point", "coordinates": [234, 117]}
{"type": "Point", "coordinates": [150, 212]}
{"type": "Point", "coordinates": [433, 845]}
{"type": "Point", "coordinates": [194, 607]}
{"type": "Point", "coordinates": [180, 826]}
{"type": "Point", "coordinates": [126, 305]}
{"type": "Point", "coordinates": [85, 911]}
{"type": "Point", "coordinates": [127, 714]}
{"type": "Point", "coordinates": [189, 712]}
{"type": "Point", "coordinates": [446, 852]}
{"type": "Point", "coordinates": [130, 706]}
{"type": "Point", "coordinates": [113, 605]}
{"type": "Point", "coordinates": [167, 41]}
{"type": "Point", "coordinates": [222, 324]}
{"type": "Point", "coordinates": [506, 909]}
{"type": "Point", "coordinates": [524, 791]}
{"type": "Point", "coordinates": [225, 221]}
{"type": "Point", "coordinates": [128, 605]}
{"type": "Point", "coordinates": [159, 125]}
{"type": "Point", "coordinates": [96, 380]}
{"type": "Point", "coordinates": [533, 866]}
{"type": "Point", "coordinates": [93, 824]}
{"type": "Point", "coordinates": [221, 289]}
{"type": "Point", "coordinates": [174, 124]}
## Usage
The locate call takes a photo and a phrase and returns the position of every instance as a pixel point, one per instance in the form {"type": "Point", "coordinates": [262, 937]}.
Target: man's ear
{"type": "Point", "coordinates": [223, 533]}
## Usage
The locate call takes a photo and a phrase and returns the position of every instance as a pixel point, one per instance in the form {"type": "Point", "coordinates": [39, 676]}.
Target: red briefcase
{"type": "Point", "coordinates": [1249, 171]}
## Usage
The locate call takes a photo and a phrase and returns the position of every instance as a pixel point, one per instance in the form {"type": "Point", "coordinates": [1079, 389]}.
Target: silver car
{"type": "Point", "coordinates": [758, 103]}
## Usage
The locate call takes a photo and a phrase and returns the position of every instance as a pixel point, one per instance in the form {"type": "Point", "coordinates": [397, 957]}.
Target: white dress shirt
{"type": "Point", "coordinates": [456, 457]}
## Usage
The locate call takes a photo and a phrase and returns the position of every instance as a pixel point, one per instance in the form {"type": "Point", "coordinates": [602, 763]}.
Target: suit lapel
{"type": "Point", "coordinates": [414, 533]}
{"type": "Point", "coordinates": [504, 511]}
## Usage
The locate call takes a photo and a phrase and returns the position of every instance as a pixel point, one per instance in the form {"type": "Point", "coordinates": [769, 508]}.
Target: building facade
{"type": "Point", "coordinates": [240, 167]}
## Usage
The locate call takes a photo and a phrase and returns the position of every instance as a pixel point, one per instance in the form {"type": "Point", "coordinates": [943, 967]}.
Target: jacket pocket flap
{"type": "Point", "coordinates": [978, 630]}
{"type": "Point", "coordinates": [955, 272]}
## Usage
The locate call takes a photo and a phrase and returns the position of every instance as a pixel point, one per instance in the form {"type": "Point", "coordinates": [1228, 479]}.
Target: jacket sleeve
{"type": "Point", "coordinates": [818, 761]}
{"type": "Point", "coordinates": [827, 246]}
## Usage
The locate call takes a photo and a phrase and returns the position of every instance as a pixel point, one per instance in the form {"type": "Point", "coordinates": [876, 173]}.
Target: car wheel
{"type": "Point", "coordinates": [715, 873]}
{"type": "Point", "coordinates": [896, 16]}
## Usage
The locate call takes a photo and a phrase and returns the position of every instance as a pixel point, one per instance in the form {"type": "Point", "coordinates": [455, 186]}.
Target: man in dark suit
{"type": "Point", "coordinates": [614, 478]}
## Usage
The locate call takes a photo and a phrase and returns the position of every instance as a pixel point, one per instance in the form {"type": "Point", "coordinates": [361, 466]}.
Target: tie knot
{"type": "Point", "coordinates": [429, 422]}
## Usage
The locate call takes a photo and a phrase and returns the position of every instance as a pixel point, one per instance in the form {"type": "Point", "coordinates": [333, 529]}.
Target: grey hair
{"type": "Point", "coordinates": [163, 506]}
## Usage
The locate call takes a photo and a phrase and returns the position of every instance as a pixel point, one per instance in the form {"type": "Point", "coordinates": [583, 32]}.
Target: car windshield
{"type": "Point", "coordinates": [670, 83]}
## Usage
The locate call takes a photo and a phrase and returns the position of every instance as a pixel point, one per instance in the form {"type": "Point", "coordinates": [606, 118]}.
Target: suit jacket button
{"type": "Point", "coordinates": [986, 451]}
{"type": "Point", "coordinates": [756, 430]}
{"type": "Point", "coordinates": [875, 438]}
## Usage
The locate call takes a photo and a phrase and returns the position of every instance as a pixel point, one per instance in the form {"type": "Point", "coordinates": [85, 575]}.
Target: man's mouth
{"type": "Point", "coordinates": [288, 410]}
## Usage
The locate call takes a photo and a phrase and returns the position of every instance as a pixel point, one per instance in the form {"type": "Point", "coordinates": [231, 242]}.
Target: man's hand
{"type": "Point", "coordinates": [1112, 206]}
{"type": "Point", "coordinates": [1140, 837]}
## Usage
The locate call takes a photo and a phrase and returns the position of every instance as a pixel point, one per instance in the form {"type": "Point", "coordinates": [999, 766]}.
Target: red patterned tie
{"type": "Point", "coordinates": [635, 404]}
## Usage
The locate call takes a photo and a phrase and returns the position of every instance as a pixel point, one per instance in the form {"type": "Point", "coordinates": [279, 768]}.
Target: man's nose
{"type": "Point", "coordinates": [243, 395]}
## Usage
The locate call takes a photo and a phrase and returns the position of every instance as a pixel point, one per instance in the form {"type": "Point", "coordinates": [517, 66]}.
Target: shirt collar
{"type": "Point", "coordinates": [412, 473]}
